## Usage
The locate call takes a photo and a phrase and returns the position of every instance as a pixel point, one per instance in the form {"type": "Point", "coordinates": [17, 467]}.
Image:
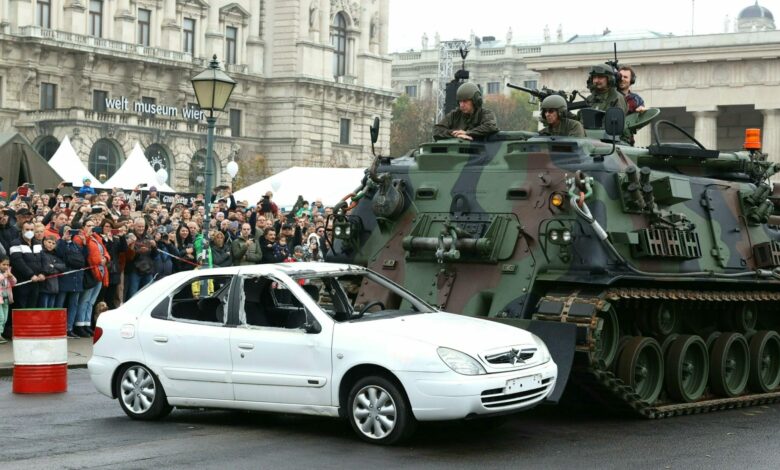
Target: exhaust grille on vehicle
{"type": "Point", "coordinates": [496, 398]}
{"type": "Point", "coordinates": [511, 357]}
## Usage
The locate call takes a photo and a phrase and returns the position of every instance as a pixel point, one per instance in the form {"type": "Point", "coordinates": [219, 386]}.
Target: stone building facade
{"type": "Point", "coordinates": [714, 86]}
{"type": "Point", "coordinates": [311, 76]}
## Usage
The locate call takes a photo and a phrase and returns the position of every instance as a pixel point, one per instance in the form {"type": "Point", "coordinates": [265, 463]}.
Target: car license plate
{"type": "Point", "coordinates": [523, 383]}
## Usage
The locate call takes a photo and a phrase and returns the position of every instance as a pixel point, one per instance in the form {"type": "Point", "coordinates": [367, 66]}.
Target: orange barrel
{"type": "Point", "coordinates": [40, 350]}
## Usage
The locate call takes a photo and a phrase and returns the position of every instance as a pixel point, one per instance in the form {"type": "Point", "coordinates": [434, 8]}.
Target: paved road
{"type": "Point", "coordinates": [81, 429]}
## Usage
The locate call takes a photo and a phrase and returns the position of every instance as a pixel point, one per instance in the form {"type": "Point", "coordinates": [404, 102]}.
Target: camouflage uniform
{"type": "Point", "coordinates": [608, 99]}
{"type": "Point", "coordinates": [565, 128]}
{"type": "Point", "coordinates": [481, 123]}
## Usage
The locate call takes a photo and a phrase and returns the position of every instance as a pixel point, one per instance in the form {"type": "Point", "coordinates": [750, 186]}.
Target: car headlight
{"type": "Point", "coordinates": [541, 348]}
{"type": "Point", "coordinates": [460, 362]}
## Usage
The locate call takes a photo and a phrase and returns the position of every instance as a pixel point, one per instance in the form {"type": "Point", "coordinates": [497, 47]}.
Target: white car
{"type": "Point", "coordinates": [312, 338]}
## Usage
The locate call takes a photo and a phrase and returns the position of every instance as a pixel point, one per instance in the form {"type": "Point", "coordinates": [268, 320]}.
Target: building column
{"type": "Point", "coordinates": [171, 31]}
{"type": "Point", "coordinates": [706, 128]}
{"type": "Point", "coordinates": [124, 22]}
{"type": "Point", "coordinates": [214, 35]}
{"type": "Point", "coordinates": [325, 21]}
{"type": "Point", "coordinates": [255, 47]}
{"type": "Point", "coordinates": [770, 134]}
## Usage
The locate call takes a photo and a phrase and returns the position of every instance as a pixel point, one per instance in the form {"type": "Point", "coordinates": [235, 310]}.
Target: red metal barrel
{"type": "Point", "coordinates": [40, 350]}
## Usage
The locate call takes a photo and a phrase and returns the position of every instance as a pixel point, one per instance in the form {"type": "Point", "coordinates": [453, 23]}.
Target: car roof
{"type": "Point", "coordinates": [290, 269]}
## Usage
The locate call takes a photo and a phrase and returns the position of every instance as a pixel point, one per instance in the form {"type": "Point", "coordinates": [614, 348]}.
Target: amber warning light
{"type": "Point", "coordinates": [752, 139]}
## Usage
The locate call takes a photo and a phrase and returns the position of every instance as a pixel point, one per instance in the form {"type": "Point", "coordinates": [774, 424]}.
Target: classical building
{"type": "Point", "coordinates": [714, 86]}
{"type": "Point", "coordinates": [311, 75]}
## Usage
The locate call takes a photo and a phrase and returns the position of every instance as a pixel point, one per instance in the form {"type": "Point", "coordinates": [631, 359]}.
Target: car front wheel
{"type": "Point", "coordinates": [379, 411]}
{"type": "Point", "coordinates": [140, 393]}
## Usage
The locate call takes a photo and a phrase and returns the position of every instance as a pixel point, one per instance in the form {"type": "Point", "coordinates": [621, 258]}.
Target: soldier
{"type": "Point", "coordinates": [602, 85]}
{"type": "Point", "coordinates": [470, 120]}
{"type": "Point", "coordinates": [555, 120]}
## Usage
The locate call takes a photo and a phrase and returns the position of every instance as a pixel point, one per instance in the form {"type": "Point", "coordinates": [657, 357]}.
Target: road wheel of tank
{"type": "Point", "coordinates": [711, 339]}
{"type": "Point", "coordinates": [641, 367]}
{"type": "Point", "coordinates": [666, 343]}
{"type": "Point", "coordinates": [687, 368]}
{"type": "Point", "coordinates": [764, 361]}
{"type": "Point", "coordinates": [743, 319]}
{"type": "Point", "coordinates": [729, 364]}
{"type": "Point", "coordinates": [606, 338]}
{"type": "Point", "coordinates": [662, 320]}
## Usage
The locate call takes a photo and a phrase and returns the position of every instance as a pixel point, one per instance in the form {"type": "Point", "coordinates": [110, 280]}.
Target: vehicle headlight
{"type": "Point", "coordinates": [554, 236]}
{"type": "Point", "coordinates": [337, 230]}
{"type": "Point", "coordinates": [544, 353]}
{"type": "Point", "coordinates": [460, 362]}
{"type": "Point", "coordinates": [566, 236]}
{"type": "Point", "coordinates": [348, 231]}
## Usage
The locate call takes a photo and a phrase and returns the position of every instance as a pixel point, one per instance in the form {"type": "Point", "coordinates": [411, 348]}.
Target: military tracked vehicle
{"type": "Point", "coordinates": [653, 274]}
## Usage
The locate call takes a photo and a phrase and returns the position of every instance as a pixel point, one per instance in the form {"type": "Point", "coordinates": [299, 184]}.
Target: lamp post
{"type": "Point", "coordinates": [212, 90]}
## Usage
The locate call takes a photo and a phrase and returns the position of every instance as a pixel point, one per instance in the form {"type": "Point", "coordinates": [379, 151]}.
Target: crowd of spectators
{"type": "Point", "coordinates": [87, 250]}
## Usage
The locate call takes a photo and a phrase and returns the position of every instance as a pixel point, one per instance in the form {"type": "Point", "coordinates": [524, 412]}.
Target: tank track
{"type": "Point", "coordinates": [603, 383]}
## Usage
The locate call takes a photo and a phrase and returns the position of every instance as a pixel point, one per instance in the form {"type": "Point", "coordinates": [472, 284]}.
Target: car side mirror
{"type": "Point", "coordinates": [614, 121]}
{"type": "Point", "coordinates": [312, 326]}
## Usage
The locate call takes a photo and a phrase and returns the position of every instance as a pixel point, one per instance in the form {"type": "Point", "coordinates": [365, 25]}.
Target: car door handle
{"type": "Point", "coordinates": [160, 339]}
{"type": "Point", "coordinates": [247, 346]}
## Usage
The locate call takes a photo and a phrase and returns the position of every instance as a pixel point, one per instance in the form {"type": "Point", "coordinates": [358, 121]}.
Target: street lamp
{"type": "Point", "coordinates": [212, 90]}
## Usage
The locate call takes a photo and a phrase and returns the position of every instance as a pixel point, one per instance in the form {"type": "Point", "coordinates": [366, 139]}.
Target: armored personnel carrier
{"type": "Point", "coordinates": [653, 274]}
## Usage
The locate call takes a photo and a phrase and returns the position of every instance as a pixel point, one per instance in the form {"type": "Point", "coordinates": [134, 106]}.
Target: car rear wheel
{"type": "Point", "coordinates": [140, 393]}
{"type": "Point", "coordinates": [379, 412]}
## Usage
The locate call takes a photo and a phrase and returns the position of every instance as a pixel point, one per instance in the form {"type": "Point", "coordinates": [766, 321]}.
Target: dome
{"type": "Point", "coordinates": [755, 11]}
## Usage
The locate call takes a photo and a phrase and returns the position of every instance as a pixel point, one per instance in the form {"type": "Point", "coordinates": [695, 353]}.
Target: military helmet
{"type": "Point", "coordinates": [469, 91]}
{"type": "Point", "coordinates": [602, 69]}
{"type": "Point", "coordinates": [555, 102]}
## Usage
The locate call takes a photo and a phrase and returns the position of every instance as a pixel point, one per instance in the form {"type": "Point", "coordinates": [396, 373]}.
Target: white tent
{"type": "Point", "coordinates": [326, 184]}
{"type": "Point", "coordinates": [68, 165]}
{"type": "Point", "coordinates": [134, 171]}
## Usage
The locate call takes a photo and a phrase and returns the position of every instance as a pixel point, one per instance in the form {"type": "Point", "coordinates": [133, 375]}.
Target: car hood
{"type": "Point", "coordinates": [467, 334]}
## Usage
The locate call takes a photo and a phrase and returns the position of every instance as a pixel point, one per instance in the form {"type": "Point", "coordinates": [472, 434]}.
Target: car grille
{"type": "Point", "coordinates": [496, 398]}
{"type": "Point", "coordinates": [508, 357]}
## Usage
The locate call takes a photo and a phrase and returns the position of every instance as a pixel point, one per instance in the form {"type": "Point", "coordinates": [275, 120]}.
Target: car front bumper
{"type": "Point", "coordinates": [449, 395]}
{"type": "Point", "coordinates": [101, 371]}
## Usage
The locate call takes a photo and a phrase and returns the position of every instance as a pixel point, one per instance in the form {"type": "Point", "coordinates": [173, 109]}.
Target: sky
{"type": "Point", "coordinates": [455, 19]}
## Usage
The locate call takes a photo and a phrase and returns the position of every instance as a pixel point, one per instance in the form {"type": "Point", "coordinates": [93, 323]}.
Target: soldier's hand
{"type": "Point", "coordinates": [641, 109]}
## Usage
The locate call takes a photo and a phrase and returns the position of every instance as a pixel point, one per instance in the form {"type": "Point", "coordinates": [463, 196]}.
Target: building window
{"type": "Point", "coordinates": [189, 35]}
{"type": "Point", "coordinates": [338, 39]}
{"type": "Point", "coordinates": [144, 26]}
{"type": "Point", "coordinates": [344, 131]}
{"type": "Point", "coordinates": [158, 158]}
{"type": "Point", "coordinates": [48, 96]}
{"type": "Point", "coordinates": [231, 38]}
{"type": "Point", "coordinates": [99, 98]}
{"type": "Point", "coordinates": [411, 90]}
{"type": "Point", "coordinates": [47, 147]}
{"type": "Point", "coordinates": [96, 18]}
{"type": "Point", "coordinates": [530, 84]}
{"type": "Point", "coordinates": [147, 102]}
{"type": "Point", "coordinates": [43, 14]}
{"type": "Point", "coordinates": [104, 159]}
{"type": "Point", "coordinates": [235, 122]}
{"type": "Point", "coordinates": [493, 88]}
{"type": "Point", "coordinates": [198, 171]}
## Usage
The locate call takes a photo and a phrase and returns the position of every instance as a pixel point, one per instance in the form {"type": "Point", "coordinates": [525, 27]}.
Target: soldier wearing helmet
{"type": "Point", "coordinates": [470, 121]}
{"type": "Point", "coordinates": [555, 119]}
{"type": "Point", "coordinates": [602, 84]}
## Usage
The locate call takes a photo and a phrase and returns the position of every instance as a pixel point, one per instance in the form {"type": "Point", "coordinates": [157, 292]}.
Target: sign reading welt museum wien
{"type": "Point", "coordinates": [123, 104]}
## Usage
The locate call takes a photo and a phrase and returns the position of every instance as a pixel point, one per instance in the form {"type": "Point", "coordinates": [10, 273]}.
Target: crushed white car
{"type": "Point", "coordinates": [312, 338]}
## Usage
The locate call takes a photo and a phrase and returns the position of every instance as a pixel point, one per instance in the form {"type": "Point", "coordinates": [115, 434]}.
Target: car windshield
{"type": "Point", "coordinates": [360, 296]}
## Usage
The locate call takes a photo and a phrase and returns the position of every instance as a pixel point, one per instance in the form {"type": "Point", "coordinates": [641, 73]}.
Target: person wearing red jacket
{"type": "Point", "coordinates": [95, 278]}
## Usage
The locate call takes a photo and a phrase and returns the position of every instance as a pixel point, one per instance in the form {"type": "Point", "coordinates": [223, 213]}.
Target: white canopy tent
{"type": "Point", "coordinates": [134, 171]}
{"type": "Point", "coordinates": [68, 165]}
{"type": "Point", "coordinates": [327, 184]}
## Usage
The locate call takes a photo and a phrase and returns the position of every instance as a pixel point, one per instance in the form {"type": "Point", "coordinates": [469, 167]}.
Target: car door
{"type": "Point", "coordinates": [275, 359]}
{"type": "Point", "coordinates": [187, 341]}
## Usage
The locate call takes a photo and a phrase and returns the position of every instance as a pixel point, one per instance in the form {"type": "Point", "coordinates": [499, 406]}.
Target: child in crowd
{"type": "Point", "coordinates": [7, 281]}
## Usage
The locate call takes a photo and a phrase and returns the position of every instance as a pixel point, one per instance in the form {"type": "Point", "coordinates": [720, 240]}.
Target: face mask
{"type": "Point", "coordinates": [29, 234]}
